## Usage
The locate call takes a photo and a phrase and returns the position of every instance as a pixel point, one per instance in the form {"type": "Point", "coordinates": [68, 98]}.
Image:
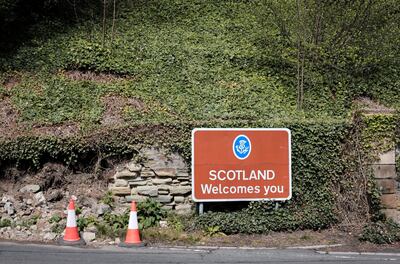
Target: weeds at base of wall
{"type": "Point", "coordinates": [381, 232]}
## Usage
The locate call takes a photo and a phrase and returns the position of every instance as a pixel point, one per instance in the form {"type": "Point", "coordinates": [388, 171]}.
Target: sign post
{"type": "Point", "coordinates": [241, 164]}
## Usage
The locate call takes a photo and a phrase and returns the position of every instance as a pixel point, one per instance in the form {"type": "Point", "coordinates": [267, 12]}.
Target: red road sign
{"type": "Point", "coordinates": [241, 164]}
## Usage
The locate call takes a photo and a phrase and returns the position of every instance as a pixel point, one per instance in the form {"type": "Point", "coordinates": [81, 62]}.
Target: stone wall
{"type": "Point", "coordinates": [386, 178]}
{"type": "Point", "coordinates": [161, 175]}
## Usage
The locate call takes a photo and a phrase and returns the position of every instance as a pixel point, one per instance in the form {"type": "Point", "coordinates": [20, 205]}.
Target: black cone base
{"type": "Point", "coordinates": [79, 242]}
{"type": "Point", "coordinates": [131, 245]}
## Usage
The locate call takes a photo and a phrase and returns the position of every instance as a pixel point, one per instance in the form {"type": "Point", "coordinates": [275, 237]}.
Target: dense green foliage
{"type": "Point", "coordinates": [200, 60]}
{"type": "Point", "coordinates": [381, 232]}
{"type": "Point", "coordinates": [58, 100]}
{"type": "Point", "coordinates": [34, 150]}
{"type": "Point", "coordinates": [5, 223]}
{"type": "Point", "coordinates": [150, 213]}
{"type": "Point", "coordinates": [379, 133]}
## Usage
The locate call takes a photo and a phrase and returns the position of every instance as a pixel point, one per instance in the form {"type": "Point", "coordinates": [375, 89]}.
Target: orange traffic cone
{"type": "Point", "coordinates": [132, 236]}
{"type": "Point", "coordinates": [71, 236]}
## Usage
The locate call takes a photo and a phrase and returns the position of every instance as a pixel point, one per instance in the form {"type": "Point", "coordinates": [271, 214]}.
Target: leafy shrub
{"type": "Point", "coordinates": [57, 228]}
{"type": "Point", "coordinates": [83, 222]}
{"type": "Point", "coordinates": [30, 221]}
{"type": "Point", "coordinates": [212, 231]}
{"type": "Point", "coordinates": [381, 232]}
{"type": "Point", "coordinates": [86, 55]}
{"type": "Point", "coordinates": [5, 223]}
{"type": "Point", "coordinates": [117, 221]}
{"type": "Point", "coordinates": [3, 93]}
{"type": "Point", "coordinates": [113, 225]}
{"type": "Point", "coordinates": [57, 100]}
{"type": "Point", "coordinates": [176, 222]}
{"type": "Point", "coordinates": [108, 199]}
{"type": "Point", "coordinates": [57, 225]}
{"type": "Point", "coordinates": [150, 213]}
{"type": "Point", "coordinates": [55, 219]}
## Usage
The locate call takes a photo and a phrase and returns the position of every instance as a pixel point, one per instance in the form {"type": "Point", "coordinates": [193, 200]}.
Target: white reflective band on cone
{"type": "Point", "coordinates": [133, 223]}
{"type": "Point", "coordinates": [71, 219]}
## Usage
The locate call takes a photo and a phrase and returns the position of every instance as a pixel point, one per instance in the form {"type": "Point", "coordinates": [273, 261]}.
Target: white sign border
{"type": "Point", "coordinates": [245, 199]}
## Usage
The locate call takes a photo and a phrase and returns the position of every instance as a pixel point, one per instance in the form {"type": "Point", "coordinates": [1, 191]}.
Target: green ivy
{"type": "Point", "coordinates": [379, 133]}
{"type": "Point", "coordinates": [55, 100]}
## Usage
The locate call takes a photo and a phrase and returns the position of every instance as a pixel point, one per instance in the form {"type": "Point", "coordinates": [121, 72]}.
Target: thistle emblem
{"type": "Point", "coordinates": [241, 147]}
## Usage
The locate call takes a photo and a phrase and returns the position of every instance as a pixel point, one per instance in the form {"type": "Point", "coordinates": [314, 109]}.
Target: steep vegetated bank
{"type": "Point", "coordinates": [87, 90]}
{"type": "Point", "coordinates": [203, 60]}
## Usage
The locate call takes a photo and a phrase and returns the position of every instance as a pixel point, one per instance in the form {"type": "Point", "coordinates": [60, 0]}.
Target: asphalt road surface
{"type": "Point", "coordinates": [12, 253]}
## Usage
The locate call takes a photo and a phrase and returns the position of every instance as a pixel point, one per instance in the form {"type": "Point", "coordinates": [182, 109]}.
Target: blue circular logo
{"type": "Point", "coordinates": [241, 147]}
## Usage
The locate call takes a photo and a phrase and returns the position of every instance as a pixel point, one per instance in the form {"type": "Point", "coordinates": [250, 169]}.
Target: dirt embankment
{"type": "Point", "coordinates": [11, 126]}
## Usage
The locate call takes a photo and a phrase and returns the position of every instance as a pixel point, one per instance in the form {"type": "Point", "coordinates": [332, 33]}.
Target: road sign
{"type": "Point", "coordinates": [241, 164]}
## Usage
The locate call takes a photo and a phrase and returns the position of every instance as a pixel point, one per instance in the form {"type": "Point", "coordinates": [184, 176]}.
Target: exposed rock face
{"type": "Point", "coordinates": [162, 176]}
{"type": "Point", "coordinates": [55, 196]}
{"type": "Point", "coordinates": [34, 188]}
{"type": "Point", "coordinates": [9, 208]}
{"type": "Point", "coordinates": [35, 210]}
{"type": "Point", "coordinates": [39, 198]}
{"type": "Point", "coordinates": [132, 166]}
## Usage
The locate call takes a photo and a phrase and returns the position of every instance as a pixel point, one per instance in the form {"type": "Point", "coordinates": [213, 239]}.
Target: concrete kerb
{"type": "Point", "coordinates": [207, 248]}
{"type": "Point", "coordinates": [248, 248]}
{"type": "Point", "coordinates": [353, 253]}
{"type": "Point", "coordinates": [316, 246]}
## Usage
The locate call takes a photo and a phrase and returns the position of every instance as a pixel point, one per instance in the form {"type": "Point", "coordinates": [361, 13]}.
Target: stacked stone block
{"type": "Point", "coordinates": [161, 176]}
{"type": "Point", "coordinates": [385, 175]}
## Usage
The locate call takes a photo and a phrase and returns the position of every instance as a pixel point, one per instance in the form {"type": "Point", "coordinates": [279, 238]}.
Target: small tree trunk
{"type": "Point", "coordinates": [298, 58]}
{"type": "Point", "coordinates": [113, 24]}
{"type": "Point", "coordinates": [76, 14]}
{"type": "Point", "coordinates": [302, 80]}
{"type": "Point", "coordinates": [104, 21]}
{"type": "Point", "coordinates": [298, 75]}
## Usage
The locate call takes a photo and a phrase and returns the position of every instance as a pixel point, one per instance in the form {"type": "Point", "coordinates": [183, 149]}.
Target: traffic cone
{"type": "Point", "coordinates": [71, 236]}
{"type": "Point", "coordinates": [132, 236]}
